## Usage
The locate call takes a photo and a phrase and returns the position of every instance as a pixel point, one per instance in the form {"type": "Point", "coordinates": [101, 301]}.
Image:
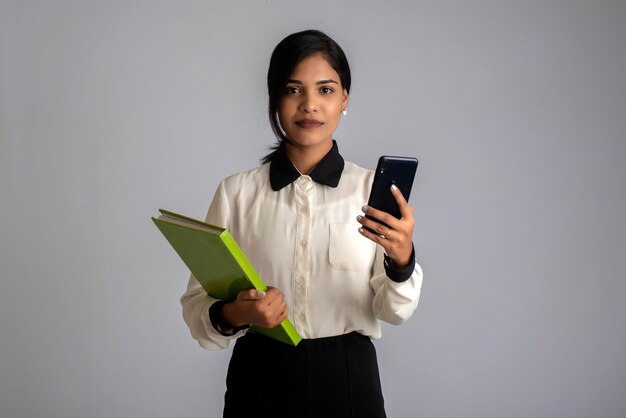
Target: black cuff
{"type": "Point", "coordinates": [215, 315]}
{"type": "Point", "coordinates": [400, 276]}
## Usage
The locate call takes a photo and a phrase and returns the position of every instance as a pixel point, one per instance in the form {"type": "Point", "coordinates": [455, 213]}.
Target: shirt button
{"type": "Point", "coordinates": [301, 317]}
{"type": "Point", "coordinates": [300, 281]}
{"type": "Point", "coordinates": [304, 209]}
{"type": "Point", "coordinates": [303, 243]}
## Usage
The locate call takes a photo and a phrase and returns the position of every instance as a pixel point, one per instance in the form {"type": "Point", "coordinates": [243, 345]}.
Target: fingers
{"type": "Point", "coordinates": [273, 313]}
{"type": "Point", "coordinates": [396, 238]}
{"type": "Point", "coordinates": [381, 217]}
{"type": "Point", "coordinates": [251, 294]}
{"type": "Point", "coordinates": [273, 307]}
{"type": "Point", "coordinates": [376, 237]}
{"type": "Point", "coordinates": [397, 246]}
{"type": "Point", "coordinates": [281, 315]}
{"type": "Point", "coordinates": [398, 230]}
{"type": "Point", "coordinates": [405, 208]}
{"type": "Point", "coordinates": [265, 309]}
{"type": "Point", "coordinates": [378, 228]}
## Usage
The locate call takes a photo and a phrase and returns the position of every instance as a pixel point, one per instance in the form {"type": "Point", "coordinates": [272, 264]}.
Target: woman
{"type": "Point", "coordinates": [296, 219]}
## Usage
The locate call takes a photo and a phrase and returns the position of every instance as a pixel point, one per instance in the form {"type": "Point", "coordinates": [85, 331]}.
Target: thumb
{"type": "Point", "coordinates": [251, 294]}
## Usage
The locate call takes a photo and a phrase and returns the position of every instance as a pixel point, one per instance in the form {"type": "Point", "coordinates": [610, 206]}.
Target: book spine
{"type": "Point", "coordinates": [242, 260]}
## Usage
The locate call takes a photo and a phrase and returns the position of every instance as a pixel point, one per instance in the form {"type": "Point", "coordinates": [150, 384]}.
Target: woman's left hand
{"type": "Point", "coordinates": [397, 239]}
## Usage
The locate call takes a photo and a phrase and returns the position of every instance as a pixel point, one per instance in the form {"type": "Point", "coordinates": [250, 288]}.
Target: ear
{"type": "Point", "coordinates": [346, 99]}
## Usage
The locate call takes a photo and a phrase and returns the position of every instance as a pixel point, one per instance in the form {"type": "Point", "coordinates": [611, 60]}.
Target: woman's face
{"type": "Point", "coordinates": [311, 105]}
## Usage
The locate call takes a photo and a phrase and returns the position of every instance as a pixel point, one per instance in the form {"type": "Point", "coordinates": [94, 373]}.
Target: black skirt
{"type": "Point", "coordinates": [325, 377]}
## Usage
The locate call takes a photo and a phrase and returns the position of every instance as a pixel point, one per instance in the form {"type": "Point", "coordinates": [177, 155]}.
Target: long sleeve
{"type": "Point", "coordinates": [195, 301]}
{"type": "Point", "coordinates": [394, 302]}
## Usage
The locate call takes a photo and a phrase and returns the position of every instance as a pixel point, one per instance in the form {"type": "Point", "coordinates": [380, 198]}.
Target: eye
{"type": "Point", "coordinates": [326, 90]}
{"type": "Point", "coordinates": [292, 90]}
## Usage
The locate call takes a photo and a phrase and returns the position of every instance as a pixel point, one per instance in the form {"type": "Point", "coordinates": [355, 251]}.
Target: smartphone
{"type": "Point", "coordinates": [391, 170]}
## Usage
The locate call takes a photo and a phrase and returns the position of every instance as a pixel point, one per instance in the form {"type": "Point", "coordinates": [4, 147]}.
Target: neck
{"type": "Point", "coordinates": [306, 158]}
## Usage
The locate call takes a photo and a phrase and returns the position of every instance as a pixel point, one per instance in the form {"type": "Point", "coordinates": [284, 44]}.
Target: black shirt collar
{"type": "Point", "coordinates": [327, 172]}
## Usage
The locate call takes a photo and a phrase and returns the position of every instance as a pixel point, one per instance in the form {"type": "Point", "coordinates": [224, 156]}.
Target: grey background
{"type": "Point", "coordinates": [516, 110]}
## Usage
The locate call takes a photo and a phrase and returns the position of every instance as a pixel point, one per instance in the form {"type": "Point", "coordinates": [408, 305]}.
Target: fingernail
{"type": "Point", "coordinates": [361, 230]}
{"type": "Point", "coordinates": [358, 218]}
{"type": "Point", "coordinates": [394, 187]}
{"type": "Point", "coordinates": [364, 208]}
{"type": "Point", "coordinates": [260, 293]}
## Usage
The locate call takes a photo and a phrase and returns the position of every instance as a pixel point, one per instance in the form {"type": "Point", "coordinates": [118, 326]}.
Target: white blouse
{"type": "Point", "coordinates": [304, 240]}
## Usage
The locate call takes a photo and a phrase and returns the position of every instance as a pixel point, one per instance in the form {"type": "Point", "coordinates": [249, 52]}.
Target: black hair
{"type": "Point", "coordinates": [286, 56]}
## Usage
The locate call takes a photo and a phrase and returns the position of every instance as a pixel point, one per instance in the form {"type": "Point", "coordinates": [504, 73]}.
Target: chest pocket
{"type": "Point", "coordinates": [348, 249]}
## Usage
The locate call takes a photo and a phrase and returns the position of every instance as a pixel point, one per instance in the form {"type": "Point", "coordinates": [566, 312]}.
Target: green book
{"type": "Point", "coordinates": [218, 263]}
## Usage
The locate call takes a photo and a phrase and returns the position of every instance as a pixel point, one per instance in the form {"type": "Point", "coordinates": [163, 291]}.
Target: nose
{"type": "Point", "coordinates": [308, 103]}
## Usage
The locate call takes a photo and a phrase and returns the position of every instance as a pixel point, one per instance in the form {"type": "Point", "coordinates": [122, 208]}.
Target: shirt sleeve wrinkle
{"type": "Point", "coordinates": [394, 302]}
{"type": "Point", "coordinates": [219, 211]}
{"type": "Point", "coordinates": [195, 301]}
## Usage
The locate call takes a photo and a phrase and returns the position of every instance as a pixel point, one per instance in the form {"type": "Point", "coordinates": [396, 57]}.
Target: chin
{"type": "Point", "coordinates": [308, 139]}
{"type": "Point", "coordinates": [308, 142]}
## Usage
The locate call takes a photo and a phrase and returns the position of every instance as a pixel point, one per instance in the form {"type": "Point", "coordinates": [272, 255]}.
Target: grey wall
{"type": "Point", "coordinates": [516, 110]}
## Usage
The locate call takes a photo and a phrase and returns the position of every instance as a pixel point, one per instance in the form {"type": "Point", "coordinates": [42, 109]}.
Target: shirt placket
{"type": "Point", "coordinates": [302, 261]}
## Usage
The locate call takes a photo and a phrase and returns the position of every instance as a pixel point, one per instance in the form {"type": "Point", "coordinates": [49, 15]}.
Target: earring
{"type": "Point", "coordinates": [344, 112]}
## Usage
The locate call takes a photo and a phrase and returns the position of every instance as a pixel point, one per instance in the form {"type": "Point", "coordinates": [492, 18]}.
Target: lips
{"type": "Point", "coordinates": [309, 123]}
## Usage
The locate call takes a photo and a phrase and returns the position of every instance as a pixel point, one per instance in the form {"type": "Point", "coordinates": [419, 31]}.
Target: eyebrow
{"type": "Point", "coordinates": [329, 81]}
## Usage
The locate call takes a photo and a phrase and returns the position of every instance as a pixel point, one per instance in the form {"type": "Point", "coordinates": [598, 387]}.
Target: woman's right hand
{"type": "Point", "coordinates": [252, 307]}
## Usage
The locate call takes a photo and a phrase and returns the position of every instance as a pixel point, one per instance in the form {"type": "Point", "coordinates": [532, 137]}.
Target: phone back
{"type": "Point", "coordinates": [392, 170]}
